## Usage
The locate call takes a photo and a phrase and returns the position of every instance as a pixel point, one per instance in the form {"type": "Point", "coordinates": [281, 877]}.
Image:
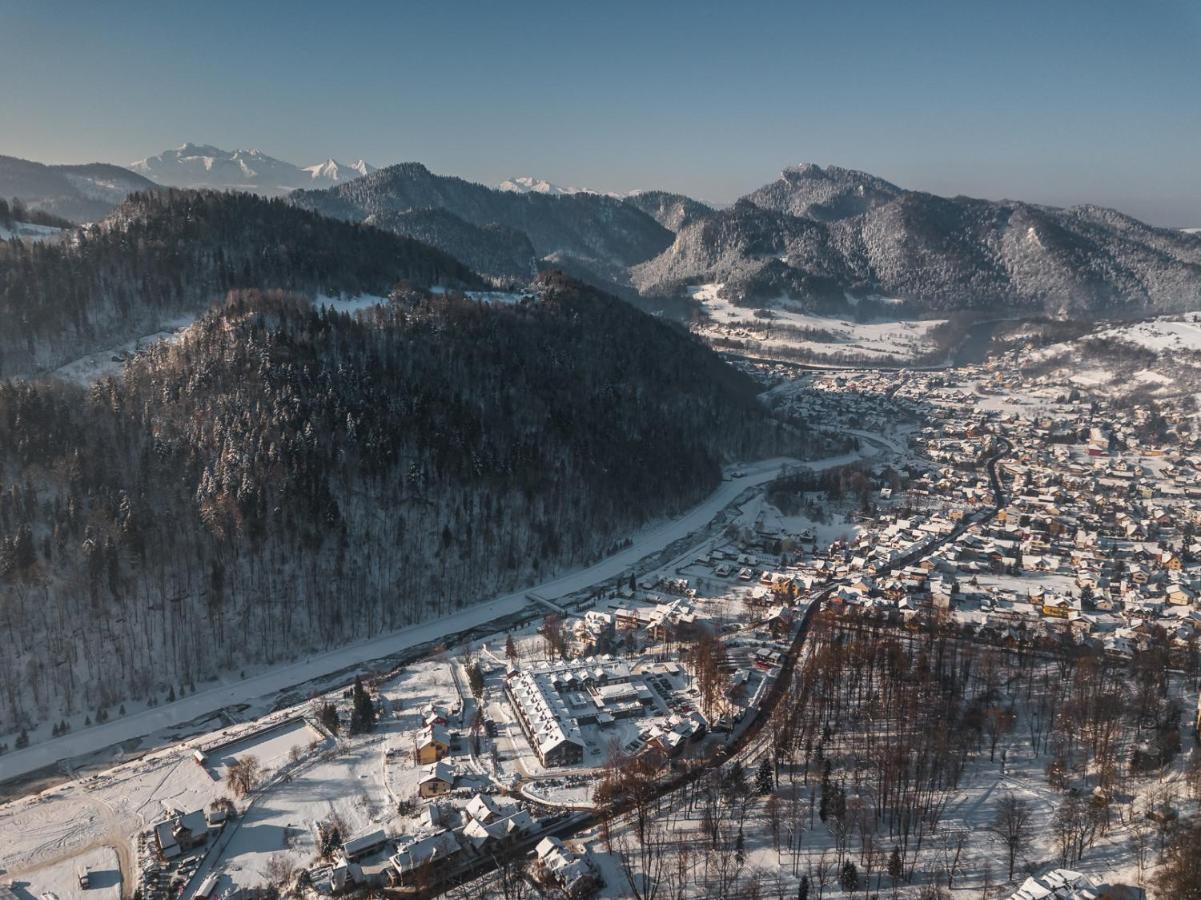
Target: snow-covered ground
{"type": "Point", "coordinates": [272, 749]}
{"type": "Point", "coordinates": [349, 304]}
{"type": "Point", "coordinates": [1160, 334]}
{"type": "Point", "coordinates": [505, 298]}
{"type": "Point", "coordinates": [95, 366]}
{"type": "Point", "coordinates": [61, 879]}
{"type": "Point", "coordinates": [879, 341]}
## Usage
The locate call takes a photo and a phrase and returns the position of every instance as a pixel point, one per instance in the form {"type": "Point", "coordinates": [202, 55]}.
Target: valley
{"type": "Point", "coordinates": [373, 530]}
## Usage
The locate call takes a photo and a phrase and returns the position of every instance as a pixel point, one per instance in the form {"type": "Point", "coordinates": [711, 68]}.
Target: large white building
{"type": "Point", "coordinates": [553, 700]}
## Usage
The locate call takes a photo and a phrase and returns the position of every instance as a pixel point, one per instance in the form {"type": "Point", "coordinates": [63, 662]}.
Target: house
{"type": "Point", "coordinates": [435, 714]}
{"type": "Point", "coordinates": [483, 808]}
{"type": "Point", "coordinates": [559, 866]}
{"type": "Point", "coordinates": [1057, 884]}
{"type": "Point", "coordinates": [181, 833]}
{"type": "Point", "coordinates": [425, 857]}
{"type": "Point", "coordinates": [364, 844]}
{"type": "Point", "coordinates": [433, 744]}
{"type": "Point", "coordinates": [497, 832]}
{"type": "Point", "coordinates": [438, 780]}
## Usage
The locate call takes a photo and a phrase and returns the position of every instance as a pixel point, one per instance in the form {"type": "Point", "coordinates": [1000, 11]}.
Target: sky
{"type": "Point", "coordinates": [1059, 101]}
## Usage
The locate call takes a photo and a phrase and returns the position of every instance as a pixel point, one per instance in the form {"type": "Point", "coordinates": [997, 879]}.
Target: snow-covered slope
{"type": "Point", "coordinates": [205, 166]}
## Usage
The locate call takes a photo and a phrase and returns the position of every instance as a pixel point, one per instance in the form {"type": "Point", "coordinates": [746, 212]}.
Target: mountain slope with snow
{"type": "Point", "coordinates": [815, 235]}
{"type": "Point", "coordinates": [595, 236]}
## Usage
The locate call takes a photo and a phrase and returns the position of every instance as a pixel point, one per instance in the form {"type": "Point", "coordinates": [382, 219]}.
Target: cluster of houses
{"type": "Point", "coordinates": [1093, 545]}
{"type": "Point", "coordinates": [452, 840]}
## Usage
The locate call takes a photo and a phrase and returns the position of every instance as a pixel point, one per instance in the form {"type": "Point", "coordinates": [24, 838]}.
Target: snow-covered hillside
{"type": "Point", "coordinates": [781, 329]}
{"type": "Point", "coordinates": [1165, 333]}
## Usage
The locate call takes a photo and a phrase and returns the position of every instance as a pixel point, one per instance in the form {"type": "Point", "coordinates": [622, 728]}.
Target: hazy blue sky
{"type": "Point", "coordinates": [1057, 101]}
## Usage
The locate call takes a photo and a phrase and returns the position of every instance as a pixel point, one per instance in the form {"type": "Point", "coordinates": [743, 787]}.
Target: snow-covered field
{"type": "Point", "coordinates": [104, 810]}
{"type": "Point", "coordinates": [272, 749]}
{"type": "Point", "coordinates": [1161, 334]}
{"type": "Point", "coordinates": [61, 879]}
{"type": "Point", "coordinates": [879, 341]}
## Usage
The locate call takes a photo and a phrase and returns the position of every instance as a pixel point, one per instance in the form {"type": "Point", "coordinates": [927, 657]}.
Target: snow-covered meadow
{"type": "Point", "coordinates": [783, 326]}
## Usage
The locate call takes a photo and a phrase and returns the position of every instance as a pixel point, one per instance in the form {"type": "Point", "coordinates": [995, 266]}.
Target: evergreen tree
{"type": "Point", "coordinates": [764, 778]}
{"type": "Point", "coordinates": [848, 878]}
{"type": "Point", "coordinates": [329, 717]}
{"type": "Point", "coordinates": [362, 716]}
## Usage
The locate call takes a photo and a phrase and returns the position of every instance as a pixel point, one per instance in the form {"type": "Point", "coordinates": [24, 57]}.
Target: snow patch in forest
{"type": "Point", "coordinates": [349, 305]}
{"type": "Point", "coordinates": [94, 366]}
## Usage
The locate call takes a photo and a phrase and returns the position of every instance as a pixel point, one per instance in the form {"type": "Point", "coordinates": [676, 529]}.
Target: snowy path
{"type": "Point", "coordinates": [206, 701]}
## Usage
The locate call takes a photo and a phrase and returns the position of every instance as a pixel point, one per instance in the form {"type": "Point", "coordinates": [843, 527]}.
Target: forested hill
{"type": "Point", "coordinates": [171, 252]}
{"type": "Point", "coordinates": [597, 234]}
{"type": "Point", "coordinates": [285, 479]}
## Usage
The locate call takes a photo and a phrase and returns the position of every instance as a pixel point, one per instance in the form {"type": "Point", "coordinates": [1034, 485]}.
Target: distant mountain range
{"type": "Point", "coordinates": [592, 235]}
{"type": "Point", "coordinates": [80, 193]}
{"type": "Point", "coordinates": [527, 184]}
{"type": "Point", "coordinates": [820, 235]}
{"type": "Point", "coordinates": [824, 238]}
{"type": "Point", "coordinates": [205, 166]}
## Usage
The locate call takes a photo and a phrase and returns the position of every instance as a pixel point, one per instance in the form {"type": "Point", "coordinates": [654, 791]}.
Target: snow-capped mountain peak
{"type": "Point", "coordinates": [205, 166]}
{"type": "Point", "coordinates": [333, 171]}
{"type": "Point", "coordinates": [528, 184]}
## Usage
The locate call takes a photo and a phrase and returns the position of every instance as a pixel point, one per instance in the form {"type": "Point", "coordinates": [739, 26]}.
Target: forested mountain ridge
{"type": "Point", "coordinates": [816, 234]}
{"type": "Point", "coordinates": [604, 234]}
{"type": "Point", "coordinates": [168, 252]}
{"type": "Point", "coordinates": [80, 193]}
{"type": "Point", "coordinates": [285, 479]}
{"type": "Point", "coordinates": [672, 211]}
{"type": "Point", "coordinates": [497, 251]}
